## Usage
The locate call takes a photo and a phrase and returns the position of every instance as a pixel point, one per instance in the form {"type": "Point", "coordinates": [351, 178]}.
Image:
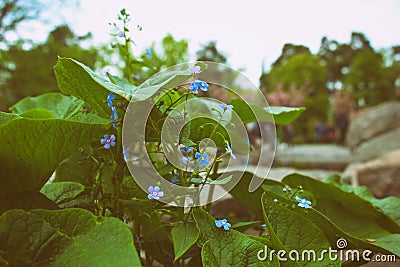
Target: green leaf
{"type": "Point", "coordinates": [70, 237]}
{"type": "Point", "coordinates": [166, 79]}
{"type": "Point", "coordinates": [389, 205]}
{"type": "Point", "coordinates": [37, 113]}
{"type": "Point", "coordinates": [284, 115]}
{"type": "Point", "coordinates": [349, 211]}
{"type": "Point", "coordinates": [129, 88]}
{"type": "Point", "coordinates": [222, 181]}
{"type": "Point", "coordinates": [62, 191]}
{"type": "Point", "coordinates": [227, 248]}
{"type": "Point", "coordinates": [30, 156]}
{"type": "Point", "coordinates": [356, 217]}
{"type": "Point", "coordinates": [241, 190]}
{"type": "Point", "coordinates": [77, 168]}
{"type": "Point", "coordinates": [5, 117]}
{"type": "Point", "coordinates": [60, 106]}
{"type": "Point", "coordinates": [291, 232]}
{"type": "Point", "coordinates": [243, 226]}
{"type": "Point", "coordinates": [184, 235]}
{"type": "Point", "coordinates": [254, 113]}
{"type": "Point", "coordinates": [26, 201]}
{"type": "Point", "coordinates": [74, 78]}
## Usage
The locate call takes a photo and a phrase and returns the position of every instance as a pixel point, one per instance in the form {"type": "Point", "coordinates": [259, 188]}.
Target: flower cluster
{"type": "Point", "coordinates": [223, 223]}
{"type": "Point", "coordinates": [114, 116]}
{"type": "Point", "coordinates": [194, 86]}
{"type": "Point", "coordinates": [203, 159]}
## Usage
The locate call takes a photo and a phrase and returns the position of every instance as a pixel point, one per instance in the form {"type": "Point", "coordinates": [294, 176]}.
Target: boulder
{"type": "Point", "coordinates": [316, 156]}
{"type": "Point", "coordinates": [377, 146]}
{"type": "Point", "coordinates": [373, 122]}
{"type": "Point", "coordinates": [381, 175]}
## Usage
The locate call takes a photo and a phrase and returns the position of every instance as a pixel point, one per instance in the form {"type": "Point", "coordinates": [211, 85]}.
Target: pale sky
{"type": "Point", "coordinates": [248, 32]}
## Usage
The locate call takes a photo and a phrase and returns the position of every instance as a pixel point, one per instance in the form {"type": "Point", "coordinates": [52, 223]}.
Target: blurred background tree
{"type": "Point", "coordinates": [29, 71]}
{"type": "Point", "coordinates": [301, 81]}
{"type": "Point", "coordinates": [299, 78]}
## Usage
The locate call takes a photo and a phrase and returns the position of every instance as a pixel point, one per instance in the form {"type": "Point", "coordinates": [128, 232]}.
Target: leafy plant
{"type": "Point", "coordinates": [103, 206]}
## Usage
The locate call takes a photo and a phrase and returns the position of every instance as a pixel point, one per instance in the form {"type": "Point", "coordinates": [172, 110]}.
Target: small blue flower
{"type": "Point", "coordinates": [304, 203]}
{"type": "Point", "coordinates": [149, 53]}
{"type": "Point", "coordinates": [121, 34]}
{"type": "Point", "coordinates": [174, 180]}
{"type": "Point", "coordinates": [194, 70]}
{"type": "Point", "coordinates": [229, 150]}
{"type": "Point", "coordinates": [185, 160]}
{"type": "Point", "coordinates": [264, 225]}
{"type": "Point", "coordinates": [110, 99]}
{"type": "Point", "coordinates": [136, 77]}
{"type": "Point", "coordinates": [186, 149]}
{"type": "Point", "coordinates": [155, 193]}
{"type": "Point", "coordinates": [108, 141]}
{"type": "Point", "coordinates": [223, 223]}
{"type": "Point", "coordinates": [194, 86]}
{"type": "Point", "coordinates": [224, 107]}
{"type": "Point", "coordinates": [203, 160]}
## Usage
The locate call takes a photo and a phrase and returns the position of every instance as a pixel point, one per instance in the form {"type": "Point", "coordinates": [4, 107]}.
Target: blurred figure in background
{"type": "Point", "coordinates": [341, 112]}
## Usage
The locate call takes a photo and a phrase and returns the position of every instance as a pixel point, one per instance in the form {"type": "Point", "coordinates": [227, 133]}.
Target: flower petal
{"type": "Point", "coordinates": [218, 223]}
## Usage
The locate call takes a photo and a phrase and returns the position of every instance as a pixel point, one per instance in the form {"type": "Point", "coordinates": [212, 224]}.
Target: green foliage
{"type": "Point", "coordinates": [27, 167]}
{"type": "Point", "coordinates": [65, 237]}
{"type": "Point", "coordinates": [227, 248]}
{"type": "Point", "coordinates": [303, 78]}
{"type": "Point", "coordinates": [184, 235]}
{"type": "Point", "coordinates": [93, 212]}
{"type": "Point", "coordinates": [368, 79]}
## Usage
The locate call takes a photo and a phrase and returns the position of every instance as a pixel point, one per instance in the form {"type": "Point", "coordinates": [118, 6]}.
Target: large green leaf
{"type": "Point", "coordinates": [389, 205]}
{"type": "Point", "coordinates": [74, 78]}
{"type": "Point", "coordinates": [26, 201]}
{"type": "Point", "coordinates": [166, 79]}
{"type": "Point", "coordinates": [32, 148]}
{"type": "Point", "coordinates": [349, 211]}
{"type": "Point", "coordinates": [5, 117]}
{"type": "Point", "coordinates": [241, 190]}
{"type": "Point", "coordinates": [184, 235]}
{"type": "Point", "coordinates": [254, 113]}
{"type": "Point", "coordinates": [284, 115]}
{"type": "Point", "coordinates": [70, 237]}
{"type": "Point", "coordinates": [291, 232]}
{"type": "Point", "coordinates": [61, 106]}
{"type": "Point", "coordinates": [358, 219]}
{"type": "Point", "coordinates": [227, 248]}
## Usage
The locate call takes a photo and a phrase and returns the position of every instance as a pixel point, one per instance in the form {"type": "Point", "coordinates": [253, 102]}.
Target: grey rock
{"type": "Point", "coordinates": [377, 146]}
{"type": "Point", "coordinates": [317, 156]}
{"type": "Point", "coordinates": [372, 122]}
{"type": "Point", "coordinates": [381, 175]}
